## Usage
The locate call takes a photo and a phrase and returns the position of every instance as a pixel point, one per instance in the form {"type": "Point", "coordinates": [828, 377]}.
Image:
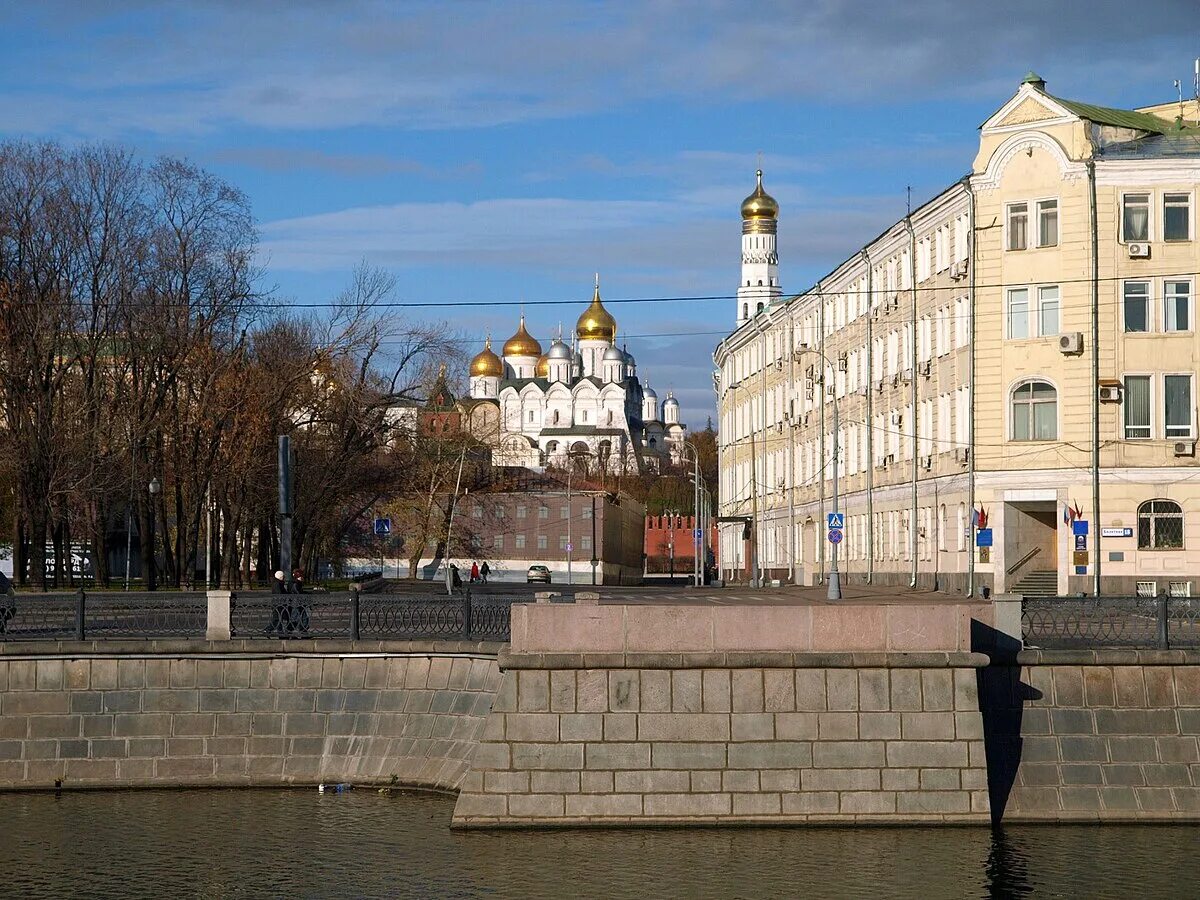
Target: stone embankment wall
{"type": "Point", "coordinates": [1108, 735]}
{"type": "Point", "coordinates": [231, 714]}
{"type": "Point", "coordinates": [764, 737]}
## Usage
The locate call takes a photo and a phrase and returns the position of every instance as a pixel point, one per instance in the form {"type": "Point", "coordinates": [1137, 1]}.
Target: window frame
{"type": "Point", "coordinates": [1191, 219]}
{"type": "Point", "coordinates": [1191, 304]}
{"type": "Point", "coordinates": [1153, 545]}
{"type": "Point", "coordinates": [1126, 239]}
{"type": "Point", "coordinates": [1150, 320]}
{"type": "Point", "coordinates": [1033, 301]}
{"type": "Point", "coordinates": [1039, 240]}
{"type": "Point", "coordinates": [1012, 418]}
{"type": "Point", "coordinates": [1191, 377]}
{"type": "Point", "coordinates": [1008, 218]}
{"type": "Point", "coordinates": [1151, 428]}
{"type": "Point", "coordinates": [1008, 329]}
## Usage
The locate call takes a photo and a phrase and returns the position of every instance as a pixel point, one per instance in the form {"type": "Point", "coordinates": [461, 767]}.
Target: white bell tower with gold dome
{"type": "Point", "coordinates": [759, 286]}
{"type": "Point", "coordinates": [596, 330]}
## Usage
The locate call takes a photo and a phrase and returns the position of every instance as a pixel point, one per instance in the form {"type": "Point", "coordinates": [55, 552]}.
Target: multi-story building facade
{"type": "Point", "coordinates": [1014, 358]}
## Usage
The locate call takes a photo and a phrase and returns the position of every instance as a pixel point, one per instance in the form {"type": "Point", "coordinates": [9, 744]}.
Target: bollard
{"type": "Point", "coordinates": [80, 598]}
{"type": "Point", "coordinates": [1164, 642]}
{"type": "Point", "coordinates": [467, 614]}
{"type": "Point", "coordinates": [354, 613]}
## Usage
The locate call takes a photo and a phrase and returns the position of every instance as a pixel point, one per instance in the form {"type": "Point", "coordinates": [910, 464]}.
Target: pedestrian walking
{"type": "Point", "coordinates": [280, 617]}
{"type": "Point", "coordinates": [474, 572]}
{"type": "Point", "coordinates": [455, 580]}
{"type": "Point", "coordinates": [484, 571]}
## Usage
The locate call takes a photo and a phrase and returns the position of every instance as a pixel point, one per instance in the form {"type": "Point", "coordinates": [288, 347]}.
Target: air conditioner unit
{"type": "Point", "coordinates": [811, 373]}
{"type": "Point", "coordinates": [843, 363]}
{"type": "Point", "coordinates": [1140, 250]}
{"type": "Point", "coordinates": [1071, 342]}
{"type": "Point", "coordinates": [897, 418]}
{"type": "Point", "coordinates": [779, 365]}
{"type": "Point", "coordinates": [1109, 393]}
{"type": "Point", "coordinates": [1185, 448]}
{"type": "Point", "coordinates": [926, 463]}
{"type": "Point", "coordinates": [925, 368]}
{"type": "Point", "coordinates": [962, 455]}
{"type": "Point", "coordinates": [779, 428]}
{"type": "Point", "coordinates": [889, 459]}
{"type": "Point", "coordinates": [958, 270]}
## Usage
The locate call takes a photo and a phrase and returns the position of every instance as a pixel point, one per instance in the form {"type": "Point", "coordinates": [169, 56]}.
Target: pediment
{"type": "Point", "coordinates": [1027, 107]}
{"type": "Point", "coordinates": [1028, 110]}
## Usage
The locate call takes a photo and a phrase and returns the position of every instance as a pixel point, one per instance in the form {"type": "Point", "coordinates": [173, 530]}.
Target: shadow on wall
{"type": "Point", "coordinates": [1002, 698]}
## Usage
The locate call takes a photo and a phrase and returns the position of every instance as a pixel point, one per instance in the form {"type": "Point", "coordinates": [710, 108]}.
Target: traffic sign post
{"type": "Point", "coordinates": [383, 527]}
{"type": "Point", "coordinates": [835, 535]}
{"type": "Point", "coordinates": [835, 520]}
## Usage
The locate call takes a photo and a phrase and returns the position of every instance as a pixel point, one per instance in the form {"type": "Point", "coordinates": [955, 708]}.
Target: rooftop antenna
{"type": "Point", "coordinates": [1179, 92]}
{"type": "Point", "coordinates": [1196, 86]}
{"type": "Point", "coordinates": [908, 202]}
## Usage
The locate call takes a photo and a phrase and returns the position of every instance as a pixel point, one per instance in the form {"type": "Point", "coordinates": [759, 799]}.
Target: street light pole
{"type": "Point", "coordinates": [835, 582]}
{"type": "Point", "coordinates": [570, 512]}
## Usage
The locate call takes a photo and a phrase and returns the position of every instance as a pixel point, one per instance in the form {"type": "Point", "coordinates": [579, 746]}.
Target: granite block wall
{"type": "Point", "coordinates": [1095, 735]}
{"type": "Point", "coordinates": [213, 719]}
{"type": "Point", "coordinates": [788, 738]}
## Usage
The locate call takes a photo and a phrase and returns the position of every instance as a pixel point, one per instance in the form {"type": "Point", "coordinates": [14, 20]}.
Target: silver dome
{"type": "Point", "coordinates": [614, 354]}
{"type": "Point", "coordinates": [558, 350]}
{"type": "Point", "coordinates": [648, 393]}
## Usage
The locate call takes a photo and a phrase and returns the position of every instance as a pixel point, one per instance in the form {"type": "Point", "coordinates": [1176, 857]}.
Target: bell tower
{"type": "Point", "coordinates": [759, 286]}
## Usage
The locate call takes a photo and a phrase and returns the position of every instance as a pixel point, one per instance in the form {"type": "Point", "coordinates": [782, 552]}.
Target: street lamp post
{"type": "Point", "coordinates": [835, 582]}
{"type": "Point", "coordinates": [155, 488]}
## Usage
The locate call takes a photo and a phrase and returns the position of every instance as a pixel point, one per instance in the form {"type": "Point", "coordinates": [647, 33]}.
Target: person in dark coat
{"type": "Point", "coordinates": [484, 571]}
{"type": "Point", "coordinates": [280, 616]}
{"type": "Point", "coordinates": [8, 603]}
{"type": "Point", "coordinates": [455, 580]}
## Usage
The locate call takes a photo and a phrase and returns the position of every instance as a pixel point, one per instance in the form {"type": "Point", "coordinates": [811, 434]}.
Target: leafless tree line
{"type": "Point", "coordinates": [137, 347]}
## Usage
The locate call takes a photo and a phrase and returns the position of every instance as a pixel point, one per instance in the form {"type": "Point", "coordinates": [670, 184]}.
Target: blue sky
{"type": "Point", "coordinates": [506, 151]}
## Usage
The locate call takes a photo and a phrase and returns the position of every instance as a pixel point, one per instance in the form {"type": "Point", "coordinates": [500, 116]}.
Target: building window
{"type": "Point", "coordinates": [1177, 217]}
{"type": "Point", "coordinates": [500, 512]}
{"type": "Point", "coordinates": [1018, 226]}
{"type": "Point", "coordinates": [1137, 306]}
{"type": "Point", "coordinates": [562, 542]}
{"type": "Point", "coordinates": [520, 512]}
{"type": "Point", "coordinates": [587, 512]}
{"type": "Point", "coordinates": [520, 542]}
{"type": "Point", "coordinates": [1035, 412]}
{"type": "Point", "coordinates": [1047, 310]}
{"type": "Point", "coordinates": [541, 542]}
{"type": "Point", "coordinates": [1179, 589]}
{"type": "Point", "coordinates": [1177, 306]}
{"type": "Point", "coordinates": [498, 542]}
{"type": "Point", "coordinates": [1160, 525]}
{"type": "Point", "coordinates": [1047, 218]}
{"type": "Point", "coordinates": [543, 512]}
{"type": "Point", "coordinates": [1018, 313]}
{"type": "Point", "coordinates": [1137, 407]}
{"type": "Point", "coordinates": [1177, 406]}
{"type": "Point", "coordinates": [1145, 588]}
{"type": "Point", "coordinates": [1135, 217]}
{"type": "Point", "coordinates": [585, 542]}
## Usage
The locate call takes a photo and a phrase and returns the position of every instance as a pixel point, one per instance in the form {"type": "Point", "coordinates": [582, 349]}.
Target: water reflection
{"type": "Point", "coordinates": [361, 844]}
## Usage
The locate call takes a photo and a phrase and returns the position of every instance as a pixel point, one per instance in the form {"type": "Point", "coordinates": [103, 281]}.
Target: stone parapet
{"type": "Point", "coordinates": [897, 627]}
{"type": "Point", "coordinates": [735, 660]}
{"type": "Point", "coordinates": [767, 744]}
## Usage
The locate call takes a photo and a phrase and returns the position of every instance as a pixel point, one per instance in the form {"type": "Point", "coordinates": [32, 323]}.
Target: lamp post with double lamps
{"type": "Point", "coordinates": [835, 582]}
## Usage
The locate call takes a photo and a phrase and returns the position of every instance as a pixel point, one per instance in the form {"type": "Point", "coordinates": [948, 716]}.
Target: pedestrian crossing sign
{"type": "Point", "coordinates": [835, 520]}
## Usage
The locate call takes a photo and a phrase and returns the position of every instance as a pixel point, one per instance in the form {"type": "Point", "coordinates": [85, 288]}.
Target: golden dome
{"type": "Point", "coordinates": [543, 367]}
{"type": "Point", "coordinates": [486, 362]}
{"type": "Point", "coordinates": [596, 323]}
{"type": "Point", "coordinates": [760, 204]}
{"type": "Point", "coordinates": [522, 343]}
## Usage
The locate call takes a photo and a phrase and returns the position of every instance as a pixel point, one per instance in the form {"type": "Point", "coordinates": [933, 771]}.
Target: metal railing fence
{"type": "Point", "coordinates": [1078, 623]}
{"type": "Point", "coordinates": [254, 615]}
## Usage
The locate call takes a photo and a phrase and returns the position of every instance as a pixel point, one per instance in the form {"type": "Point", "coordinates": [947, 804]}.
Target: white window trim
{"type": "Point", "coordinates": [1153, 401]}
{"type": "Point", "coordinates": [1151, 320]}
{"type": "Point", "coordinates": [1009, 424]}
{"type": "Point", "coordinates": [1034, 295]}
{"type": "Point", "coordinates": [1162, 203]}
{"type": "Point", "coordinates": [1191, 376]}
{"type": "Point", "coordinates": [1008, 248]}
{"type": "Point", "coordinates": [1150, 222]}
{"type": "Point", "coordinates": [1036, 230]}
{"type": "Point", "coordinates": [1191, 304]}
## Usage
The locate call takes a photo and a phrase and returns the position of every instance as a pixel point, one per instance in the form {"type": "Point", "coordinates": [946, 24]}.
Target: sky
{"type": "Point", "coordinates": [505, 152]}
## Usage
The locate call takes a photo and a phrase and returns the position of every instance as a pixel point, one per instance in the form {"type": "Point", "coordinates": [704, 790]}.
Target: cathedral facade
{"type": "Point", "coordinates": [579, 404]}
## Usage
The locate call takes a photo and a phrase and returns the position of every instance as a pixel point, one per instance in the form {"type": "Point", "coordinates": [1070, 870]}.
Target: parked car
{"type": "Point", "coordinates": [538, 573]}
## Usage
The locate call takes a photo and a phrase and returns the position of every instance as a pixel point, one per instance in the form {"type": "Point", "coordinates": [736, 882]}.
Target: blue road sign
{"type": "Point", "coordinates": [383, 527]}
{"type": "Point", "coordinates": [835, 535]}
{"type": "Point", "coordinates": [697, 534]}
{"type": "Point", "coordinates": [835, 520]}
{"type": "Point", "coordinates": [983, 537]}
{"type": "Point", "coordinates": [1079, 526]}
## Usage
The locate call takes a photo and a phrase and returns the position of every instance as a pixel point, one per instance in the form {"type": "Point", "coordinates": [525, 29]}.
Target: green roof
{"type": "Point", "coordinates": [1121, 118]}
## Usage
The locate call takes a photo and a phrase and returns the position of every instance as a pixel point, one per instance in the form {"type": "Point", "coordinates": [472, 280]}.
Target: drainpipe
{"type": "Point", "coordinates": [819, 385]}
{"type": "Point", "coordinates": [1091, 170]}
{"type": "Point", "coordinates": [762, 405]}
{"type": "Point", "coordinates": [870, 423]}
{"type": "Point", "coordinates": [791, 445]}
{"type": "Point", "coordinates": [912, 523]}
{"type": "Point", "coordinates": [971, 379]}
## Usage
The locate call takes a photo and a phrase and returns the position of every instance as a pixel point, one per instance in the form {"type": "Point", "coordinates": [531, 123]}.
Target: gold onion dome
{"type": "Point", "coordinates": [486, 362]}
{"type": "Point", "coordinates": [542, 370]}
{"type": "Point", "coordinates": [760, 204]}
{"type": "Point", "coordinates": [596, 323]}
{"type": "Point", "coordinates": [522, 343]}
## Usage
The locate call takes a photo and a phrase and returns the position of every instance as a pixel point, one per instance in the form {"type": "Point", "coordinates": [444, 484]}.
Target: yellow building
{"type": "Point", "coordinates": [1022, 347]}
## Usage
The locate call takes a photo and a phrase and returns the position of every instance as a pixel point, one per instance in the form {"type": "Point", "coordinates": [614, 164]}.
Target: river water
{"type": "Point", "coordinates": [298, 843]}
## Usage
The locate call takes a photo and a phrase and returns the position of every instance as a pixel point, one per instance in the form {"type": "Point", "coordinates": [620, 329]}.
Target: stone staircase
{"type": "Point", "coordinates": [1038, 583]}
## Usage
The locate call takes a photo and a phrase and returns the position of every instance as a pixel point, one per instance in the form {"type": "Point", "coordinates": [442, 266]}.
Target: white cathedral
{"type": "Point", "coordinates": [580, 404]}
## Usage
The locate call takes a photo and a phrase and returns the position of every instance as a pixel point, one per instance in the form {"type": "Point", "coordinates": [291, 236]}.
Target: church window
{"type": "Point", "coordinates": [760, 282]}
{"type": "Point", "coordinates": [583, 416]}
{"type": "Point", "coordinates": [556, 417]}
{"type": "Point", "coordinates": [531, 415]}
{"type": "Point", "coordinates": [760, 306]}
{"type": "Point", "coordinates": [653, 442]}
{"type": "Point", "coordinates": [746, 306]}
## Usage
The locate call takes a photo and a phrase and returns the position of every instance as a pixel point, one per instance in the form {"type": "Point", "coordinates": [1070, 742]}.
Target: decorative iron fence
{"type": "Point", "coordinates": [82, 616]}
{"type": "Point", "coordinates": [1072, 623]}
{"type": "Point", "coordinates": [348, 616]}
